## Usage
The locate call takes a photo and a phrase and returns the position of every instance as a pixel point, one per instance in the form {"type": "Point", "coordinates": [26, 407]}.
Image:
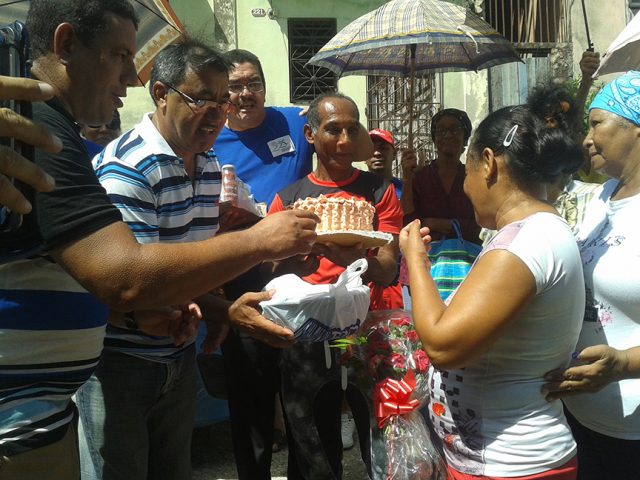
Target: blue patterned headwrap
{"type": "Point", "coordinates": [621, 96]}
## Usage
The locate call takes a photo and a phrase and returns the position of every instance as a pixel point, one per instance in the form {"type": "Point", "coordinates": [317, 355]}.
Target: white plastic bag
{"type": "Point", "coordinates": [319, 312]}
{"type": "Point", "coordinates": [246, 200]}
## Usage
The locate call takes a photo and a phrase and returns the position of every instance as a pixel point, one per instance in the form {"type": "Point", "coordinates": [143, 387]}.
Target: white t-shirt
{"type": "Point", "coordinates": [491, 415]}
{"type": "Point", "coordinates": [609, 241]}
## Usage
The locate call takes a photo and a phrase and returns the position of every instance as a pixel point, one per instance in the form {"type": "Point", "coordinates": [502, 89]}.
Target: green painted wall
{"type": "Point", "coordinates": [467, 91]}
{"type": "Point", "coordinates": [196, 15]}
{"type": "Point", "coordinates": [137, 102]}
{"type": "Point", "coordinates": [267, 38]}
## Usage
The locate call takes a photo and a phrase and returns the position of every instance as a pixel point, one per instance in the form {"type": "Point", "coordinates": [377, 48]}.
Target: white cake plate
{"type": "Point", "coordinates": [349, 238]}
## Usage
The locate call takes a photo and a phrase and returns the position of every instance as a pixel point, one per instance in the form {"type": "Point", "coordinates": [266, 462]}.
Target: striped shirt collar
{"type": "Point", "coordinates": [155, 142]}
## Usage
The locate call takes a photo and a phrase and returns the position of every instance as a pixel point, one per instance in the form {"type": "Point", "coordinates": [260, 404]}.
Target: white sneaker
{"type": "Point", "coordinates": [347, 429]}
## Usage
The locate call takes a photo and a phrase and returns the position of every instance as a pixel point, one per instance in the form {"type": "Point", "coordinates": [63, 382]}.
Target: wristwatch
{"type": "Point", "coordinates": [130, 321]}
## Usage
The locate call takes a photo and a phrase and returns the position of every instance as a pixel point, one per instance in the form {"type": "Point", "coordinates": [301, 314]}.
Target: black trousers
{"type": "Point", "coordinates": [311, 396]}
{"type": "Point", "coordinates": [252, 374]}
{"type": "Point", "coordinates": [253, 379]}
{"type": "Point", "coordinates": [601, 457]}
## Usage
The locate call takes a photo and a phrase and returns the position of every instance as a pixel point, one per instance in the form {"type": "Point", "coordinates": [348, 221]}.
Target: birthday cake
{"type": "Point", "coordinates": [338, 213]}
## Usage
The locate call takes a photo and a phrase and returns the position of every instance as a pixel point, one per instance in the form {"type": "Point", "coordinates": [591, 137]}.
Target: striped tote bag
{"type": "Point", "coordinates": [451, 260]}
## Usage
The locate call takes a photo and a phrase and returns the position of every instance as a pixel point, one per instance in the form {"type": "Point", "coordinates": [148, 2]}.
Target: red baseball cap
{"type": "Point", "coordinates": [383, 134]}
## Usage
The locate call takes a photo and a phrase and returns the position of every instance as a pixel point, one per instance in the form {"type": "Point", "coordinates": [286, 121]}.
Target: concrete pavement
{"type": "Point", "coordinates": [212, 457]}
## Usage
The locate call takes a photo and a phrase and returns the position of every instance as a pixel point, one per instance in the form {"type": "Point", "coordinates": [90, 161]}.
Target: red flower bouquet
{"type": "Point", "coordinates": [391, 354]}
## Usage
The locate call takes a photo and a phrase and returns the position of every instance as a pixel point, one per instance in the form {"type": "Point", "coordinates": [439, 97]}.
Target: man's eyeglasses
{"type": "Point", "coordinates": [253, 87]}
{"type": "Point", "coordinates": [199, 104]}
{"type": "Point", "coordinates": [441, 132]}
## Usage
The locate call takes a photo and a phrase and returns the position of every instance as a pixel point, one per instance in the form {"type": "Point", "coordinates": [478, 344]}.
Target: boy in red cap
{"type": "Point", "coordinates": [381, 163]}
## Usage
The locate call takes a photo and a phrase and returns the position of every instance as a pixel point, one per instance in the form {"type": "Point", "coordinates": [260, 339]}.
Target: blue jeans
{"type": "Point", "coordinates": [137, 417]}
{"type": "Point", "coordinates": [87, 467]}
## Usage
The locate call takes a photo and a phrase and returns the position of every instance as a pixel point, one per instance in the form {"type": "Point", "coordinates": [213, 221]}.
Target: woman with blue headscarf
{"type": "Point", "coordinates": [601, 390]}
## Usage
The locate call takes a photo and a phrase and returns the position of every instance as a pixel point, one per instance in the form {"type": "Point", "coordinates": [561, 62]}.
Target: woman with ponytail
{"type": "Point", "coordinates": [516, 315]}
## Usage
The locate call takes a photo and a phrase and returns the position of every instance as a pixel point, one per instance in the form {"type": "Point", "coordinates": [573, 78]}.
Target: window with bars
{"type": "Point", "coordinates": [530, 21]}
{"type": "Point", "coordinates": [536, 28]}
{"type": "Point", "coordinates": [388, 109]}
{"type": "Point", "coordinates": [306, 37]}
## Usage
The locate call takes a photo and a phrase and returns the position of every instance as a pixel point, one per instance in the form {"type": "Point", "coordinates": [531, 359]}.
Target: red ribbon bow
{"type": "Point", "coordinates": [391, 398]}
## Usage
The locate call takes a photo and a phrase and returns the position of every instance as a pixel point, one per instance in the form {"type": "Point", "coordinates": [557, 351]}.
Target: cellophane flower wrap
{"type": "Point", "coordinates": [394, 365]}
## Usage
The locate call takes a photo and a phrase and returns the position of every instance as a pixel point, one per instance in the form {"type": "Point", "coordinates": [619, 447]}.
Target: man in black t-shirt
{"type": "Point", "coordinates": [12, 164]}
{"type": "Point", "coordinates": [54, 307]}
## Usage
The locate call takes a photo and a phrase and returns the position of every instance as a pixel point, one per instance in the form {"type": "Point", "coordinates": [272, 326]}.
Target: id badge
{"type": "Point", "coordinates": [281, 145]}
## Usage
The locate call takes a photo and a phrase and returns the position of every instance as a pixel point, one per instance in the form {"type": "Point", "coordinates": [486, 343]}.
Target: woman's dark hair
{"type": "Point", "coordinates": [553, 101]}
{"type": "Point", "coordinates": [171, 64]}
{"type": "Point", "coordinates": [534, 153]}
{"type": "Point", "coordinates": [87, 17]}
{"type": "Point", "coordinates": [462, 117]}
{"type": "Point", "coordinates": [238, 56]}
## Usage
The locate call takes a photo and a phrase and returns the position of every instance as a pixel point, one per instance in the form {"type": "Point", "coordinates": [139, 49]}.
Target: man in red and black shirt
{"type": "Point", "coordinates": [311, 392]}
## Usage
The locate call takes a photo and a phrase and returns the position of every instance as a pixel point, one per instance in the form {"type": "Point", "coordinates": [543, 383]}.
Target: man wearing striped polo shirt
{"type": "Point", "coordinates": [138, 407]}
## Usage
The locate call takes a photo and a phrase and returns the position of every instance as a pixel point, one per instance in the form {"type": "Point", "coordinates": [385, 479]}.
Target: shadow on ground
{"type": "Point", "coordinates": [212, 456]}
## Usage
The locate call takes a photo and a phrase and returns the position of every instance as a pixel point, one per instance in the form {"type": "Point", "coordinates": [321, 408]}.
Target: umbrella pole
{"type": "Point", "coordinates": [412, 85]}
{"type": "Point", "coordinates": [586, 28]}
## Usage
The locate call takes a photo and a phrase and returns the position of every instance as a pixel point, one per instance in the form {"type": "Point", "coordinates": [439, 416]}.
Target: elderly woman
{"type": "Point", "coordinates": [437, 189]}
{"type": "Point", "coordinates": [516, 314]}
{"type": "Point", "coordinates": [602, 389]}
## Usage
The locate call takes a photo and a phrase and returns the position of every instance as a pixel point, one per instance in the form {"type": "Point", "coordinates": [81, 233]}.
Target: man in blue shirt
{"type": "Point", "coordinates": [265, 144]}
